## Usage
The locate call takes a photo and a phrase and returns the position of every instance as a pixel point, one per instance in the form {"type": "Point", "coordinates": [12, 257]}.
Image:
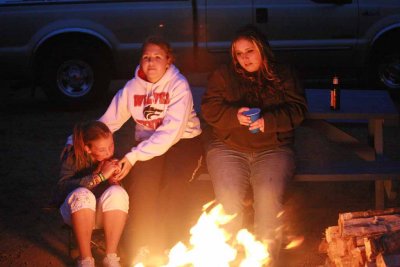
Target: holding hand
{"type": "Point", "coordinates": [109, 169]}
{"type": "Point", "coordinates": [243, 119]}
{"type": "Point", "coordinates": [258, 124]}
{"type": "Point", "coordinates": [125, 167]}
{"type": "Point", "coordinates": [246, 121]}
{"type": "Point", "coordinates": [113, 179]}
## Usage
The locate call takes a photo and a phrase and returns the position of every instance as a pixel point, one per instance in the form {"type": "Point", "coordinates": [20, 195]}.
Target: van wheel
{"type": "Point", "coordinates": [388, 69]}
{"type": "Point", "coordinates": [75, 76]}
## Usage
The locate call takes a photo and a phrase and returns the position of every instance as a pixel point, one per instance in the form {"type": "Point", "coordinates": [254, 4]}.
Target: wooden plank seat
{"type": "Point", "coordinates": [338, 172]}
{"type": "Point", "coordinates": [385, 171]}
{"type": "Point", "coordinates": [349, 171]}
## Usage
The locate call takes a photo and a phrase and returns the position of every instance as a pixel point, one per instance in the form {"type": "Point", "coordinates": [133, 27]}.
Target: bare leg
{"type": "Point", "coordinates": [83, 223]}
{"type": "Point", "coordinates": [114, 222]}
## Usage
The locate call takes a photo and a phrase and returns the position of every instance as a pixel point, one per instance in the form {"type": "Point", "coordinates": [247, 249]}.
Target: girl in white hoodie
{"type": "Point", "coordinates": [158, 167]}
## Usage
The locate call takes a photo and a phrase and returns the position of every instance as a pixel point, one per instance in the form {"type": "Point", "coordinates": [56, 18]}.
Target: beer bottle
{"type": "Point", "coordinates": [335, 94]}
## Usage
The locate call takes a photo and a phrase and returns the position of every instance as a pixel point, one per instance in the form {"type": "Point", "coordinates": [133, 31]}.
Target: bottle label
{"type": "Point", "coordinates": [333, 99]}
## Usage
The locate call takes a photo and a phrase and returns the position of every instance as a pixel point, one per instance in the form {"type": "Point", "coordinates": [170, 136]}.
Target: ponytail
{"type": "Point", "coordinates": [84, 133]}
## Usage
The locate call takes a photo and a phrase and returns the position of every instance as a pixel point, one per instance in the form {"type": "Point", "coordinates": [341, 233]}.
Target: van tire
{"type": "Point", "coordinates": [388, 71]}
{"type": "Point", "coordinates": [385, 64]}
{"type": "Point", "coordinates": [75, 76]}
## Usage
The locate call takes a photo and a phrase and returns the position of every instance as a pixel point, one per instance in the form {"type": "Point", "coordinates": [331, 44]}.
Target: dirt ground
{"type": "Point", "coordinates": [32, 133]}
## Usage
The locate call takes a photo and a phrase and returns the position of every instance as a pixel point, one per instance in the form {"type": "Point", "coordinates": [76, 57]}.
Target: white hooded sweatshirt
{"type": "Point", "coordinates": [163, 112]}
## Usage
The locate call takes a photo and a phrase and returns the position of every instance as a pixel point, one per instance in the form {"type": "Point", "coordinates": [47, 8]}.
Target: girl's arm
{"type": "Point", "coordinates": [216, 111]}
{"type": "Point", "coordinates": [70, 178]}
{"type": "Point", "coordinates": [117, 112]}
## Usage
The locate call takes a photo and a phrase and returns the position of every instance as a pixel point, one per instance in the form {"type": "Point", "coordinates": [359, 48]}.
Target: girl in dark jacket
{"type": "Point", "coordinates": [257, 154]}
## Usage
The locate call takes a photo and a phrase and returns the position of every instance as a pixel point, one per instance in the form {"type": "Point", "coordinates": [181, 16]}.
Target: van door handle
{"type": "Point", "coordinates": [261, 15]}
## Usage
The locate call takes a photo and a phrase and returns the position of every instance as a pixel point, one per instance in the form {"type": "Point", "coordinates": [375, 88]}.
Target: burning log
{"type": "Point", "coordinates": [360, 237]}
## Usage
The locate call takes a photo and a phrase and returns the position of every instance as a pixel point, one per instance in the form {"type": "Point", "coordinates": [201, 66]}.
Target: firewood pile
{"type": "Point", "coordinates": [364, 239]}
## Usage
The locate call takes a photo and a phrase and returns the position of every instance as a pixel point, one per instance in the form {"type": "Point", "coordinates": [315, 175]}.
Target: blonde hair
{"type": "Point", "coordinates": [83, 135]}
{"type": "Point", "coordinates": [267, 69]}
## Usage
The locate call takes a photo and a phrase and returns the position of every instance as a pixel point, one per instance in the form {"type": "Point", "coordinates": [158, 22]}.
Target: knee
{"type": "Point", "coordinates": [115, 198]}
{"type": "Point", "coordinates": [81, 198]}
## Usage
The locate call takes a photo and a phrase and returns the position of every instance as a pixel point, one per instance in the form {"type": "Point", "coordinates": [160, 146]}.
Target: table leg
{"type": "Point", "coordinates": [375, 131]}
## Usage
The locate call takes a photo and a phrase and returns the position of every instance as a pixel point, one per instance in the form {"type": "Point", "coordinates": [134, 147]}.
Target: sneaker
{"type": "Point", "coordinates": [86, 262]}
{"type": "Point", "coordinates": [111, 260]}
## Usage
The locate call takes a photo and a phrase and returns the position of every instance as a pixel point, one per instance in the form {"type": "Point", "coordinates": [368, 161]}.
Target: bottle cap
{"type": "Point", "coordinates": [335, 80]}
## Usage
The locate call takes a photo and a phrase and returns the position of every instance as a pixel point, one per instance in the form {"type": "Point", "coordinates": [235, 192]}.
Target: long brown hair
{"type": "Point", "coordinates": [85, 133]}
{"type": "Point", "coordinates": [266, 78]}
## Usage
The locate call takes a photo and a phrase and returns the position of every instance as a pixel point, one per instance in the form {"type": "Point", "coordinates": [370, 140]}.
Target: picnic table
{"type": "Point", "coordinates": [370, 107]}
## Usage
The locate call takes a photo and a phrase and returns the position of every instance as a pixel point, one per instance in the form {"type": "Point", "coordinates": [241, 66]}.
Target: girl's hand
{"type": "Point", "coordinates": [243, 119]}
{"type": "Point", "coordinates": [257, 124]}
{"type": "Point", "coordinates": [109, 168]}
{"type": "Point", "coordinates": [125, 166]}
{"type": "Point", "coordinates": [113, 180]}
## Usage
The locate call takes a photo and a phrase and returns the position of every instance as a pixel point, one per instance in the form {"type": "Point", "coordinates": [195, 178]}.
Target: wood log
{"type": "Point", "coordinates": [331, 233]}
{"type": "Point", "coordinates": [386, 219]}
{"type": "Point", "coordinates": [368, 230]}
{"type": "Point", "coordinates": [337, 248]}
{"type": "Point", "coordinates": [371, 226]}
{"type": "Point", "coordinates": [388, 260]}
{"type": "Point", "coordinates": [386, 244]}
{"type": "Point", "coordinates": [344, 261]}
{"type": "Point", "coordinates": [365, 214]}
{"type": "Point", "coordinates": [358, 257]}
{"type": "Point", "coordinates": [343, 217]}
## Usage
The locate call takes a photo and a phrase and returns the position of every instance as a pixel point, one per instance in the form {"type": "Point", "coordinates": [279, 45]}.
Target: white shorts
{"type": "Point", "coordinates": [114, 198]}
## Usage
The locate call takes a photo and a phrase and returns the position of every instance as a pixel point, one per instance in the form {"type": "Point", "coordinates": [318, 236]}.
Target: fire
{"type": "Point", "coordinates": [295, 242]}
{"type": "Point", "coordinates": [212, 246]}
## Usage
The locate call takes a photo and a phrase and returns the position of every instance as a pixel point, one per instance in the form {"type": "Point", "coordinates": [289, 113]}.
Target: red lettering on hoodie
{"type": "Point", "coordinates": [162, 98]}
{"type": "Point", "coordinates": [152, 124]}
{"type": "Point", "coordinates": [158, 98]}
{"type": "Point", "coordinates": [138, 100]}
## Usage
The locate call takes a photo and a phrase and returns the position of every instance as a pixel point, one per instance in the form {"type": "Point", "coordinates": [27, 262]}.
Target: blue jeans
{"type": "Point", "coordinates": [233, 173]}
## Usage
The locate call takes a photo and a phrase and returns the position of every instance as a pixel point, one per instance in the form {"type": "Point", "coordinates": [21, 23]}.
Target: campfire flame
{"type": "Point", "coordinates": [210, 244]}
{"type": "Point", "coordinates": [295, 242]}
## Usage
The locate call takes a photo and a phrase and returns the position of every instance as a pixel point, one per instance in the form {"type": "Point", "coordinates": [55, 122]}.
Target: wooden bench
{"type": "Point", "coordinates": [371, 164]}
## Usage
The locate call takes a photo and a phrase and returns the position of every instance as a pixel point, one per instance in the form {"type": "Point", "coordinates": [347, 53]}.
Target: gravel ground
{"type": "Point", "coordinates": [33, 132]}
